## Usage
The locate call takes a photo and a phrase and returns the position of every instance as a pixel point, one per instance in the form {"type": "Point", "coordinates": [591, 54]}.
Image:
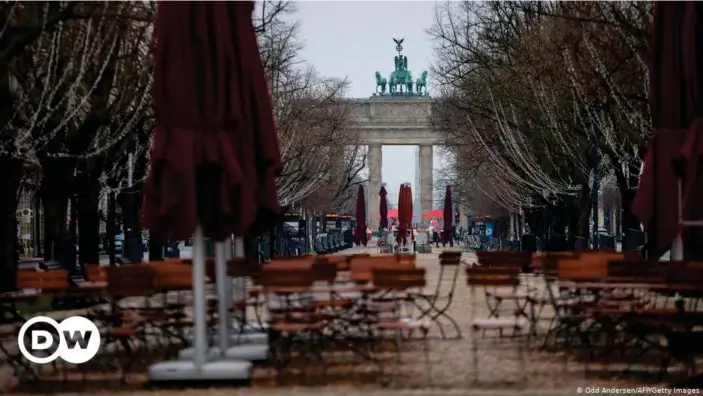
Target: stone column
{"type": "Point", "coordinates": [375, 160]}
{"type": "Point", "coordinates": [426, 199]}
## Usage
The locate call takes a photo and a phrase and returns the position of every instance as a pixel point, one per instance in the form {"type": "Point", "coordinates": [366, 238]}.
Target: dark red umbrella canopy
{"type": "Point", "coordinates": [215, 154]}
{"type": "Point", "coordinates": [676, 107]}
{"type": "Point", "coordinates": [402, 223]}
{"type": "Point", "coordinates": [360, 232]}
{"type": "Point", "coordinates": [448, 218]}
{"type": "Point", "coordinates": [409, 210]}
{"type": "Point", "coordinates": [383, 207]}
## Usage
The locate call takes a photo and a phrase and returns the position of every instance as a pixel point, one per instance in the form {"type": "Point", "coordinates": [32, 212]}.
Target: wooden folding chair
{"type": "Point", "coordinates": [295, 322]}
{"type": "Point", "coordinates": [521, 297]}
{"type": "Point", "coordinates": [491, 277]}
{"type": "Point", "coordinates": [439, 302]}
{"type": "Point", "coordinates": [125, 323]}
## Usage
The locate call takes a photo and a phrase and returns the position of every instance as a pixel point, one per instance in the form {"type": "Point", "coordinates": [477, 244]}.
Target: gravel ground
{"type": "Point", "coordinates": [450, 366]}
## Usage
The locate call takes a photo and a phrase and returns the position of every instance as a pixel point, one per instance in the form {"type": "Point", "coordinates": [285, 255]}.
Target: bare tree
{"type": "Point", "coordinates": [59, 62]}
{"type": "Point", "coordinates": [529, 89]}
{"type": "Point", "coordinates": [312, 117]}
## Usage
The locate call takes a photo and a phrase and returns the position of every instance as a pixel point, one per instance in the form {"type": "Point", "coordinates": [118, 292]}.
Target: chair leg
{"type": "Point", "coordinates": [398, 345]}
{"type": "Point", "coordinates": [426, 350]}
{"type": "Point", "coordinates": [474, 351]}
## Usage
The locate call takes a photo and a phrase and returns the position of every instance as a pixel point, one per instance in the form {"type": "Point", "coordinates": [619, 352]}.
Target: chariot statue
{"type": "Point", "coordinates": [401, 81]}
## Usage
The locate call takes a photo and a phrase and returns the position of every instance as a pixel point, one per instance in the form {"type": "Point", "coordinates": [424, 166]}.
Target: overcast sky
{"type": "Point", "coordinates": [354, 39]}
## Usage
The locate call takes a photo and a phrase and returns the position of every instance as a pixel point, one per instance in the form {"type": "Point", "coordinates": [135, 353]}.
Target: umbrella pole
{"type": "Point", "coordinates": [200, 338]}
{"type": "Point", "coordinates": [221, 274]}
{"type": "Point", "coordinates": [676, 253]}
{"type": "Point", "coordinates": [240, 292]}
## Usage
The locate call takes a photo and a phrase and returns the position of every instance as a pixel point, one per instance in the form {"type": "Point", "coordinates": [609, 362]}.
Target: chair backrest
{"type": "Point", "coordinates": [294, 258]}
{"type": "Point", "coordinates": [450, 258]}
{"type": "Point", "coordinates": [95, 273]}
{"type": "Point", "coordinates": [398, 279]}
{"type": "Point", "coordinates": [586, 267]}
{"type": "Point", "coordinates": [492, 276]}
{"type": "Point", "coordinates": [505, 258]}
{"type": "Point", "coordinates": [361, 268]}
{"type": "Point", "coordinates": [290, 280]}
{"type": "Point", "coordinates": [52, 280]}
{"type": "Point", "coordinates": [130, 280]}
{"type": "Point", "coordinates": [303, 262]}
{"type": "Point", "coordinates": [450, 254]}
{"type": "Point", "coordinates": [638, 270]}
{"type": "Point", "coordinates": [547, 263]}
{"type": "Point", "coordinates": [237, 267]}
{"type": "Point", "coordinates": [324, 269]}
{"type": "Point", "coordinates": [684, 273]}
{"type": "Point", "coordinates": [340, 260]}
{"type": "Point", "coordinates": [406, 258]}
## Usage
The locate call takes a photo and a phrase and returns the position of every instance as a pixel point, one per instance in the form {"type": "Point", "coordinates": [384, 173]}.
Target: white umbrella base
{"type": "Point", "coordinates": [251, 328]}
{"type": "Point", "coordinates": [250, 352]}
{"type": "Point", "coordinates": [240, 339]}
{"type": "Point", "coordinates": [186, 371]}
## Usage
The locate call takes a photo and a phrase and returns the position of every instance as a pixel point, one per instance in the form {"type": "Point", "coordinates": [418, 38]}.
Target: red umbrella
{"type": "Point", "coordinates": [215, 154]}
{"type": "Point", "coordinates": [675, 104]}
{"type": "Point", "coordinates": [448, 218]}
{"type": "Point", "coordinates": [360, 233]}
{"type": "Point", "coordinates": [434, 214]}
{"type": "Point", "coordinates": [409, 210]}
{"type": "Point", "coordinates": [383, 207]}
{"type": "Point", "coordinates": [402, 223]}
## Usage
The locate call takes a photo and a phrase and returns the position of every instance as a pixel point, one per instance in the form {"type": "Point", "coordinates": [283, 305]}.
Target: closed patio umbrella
{"type": "Point", "coordinates": [215, 154]}
{"type": "Point", "coordinates": [447, 236]}
{"type": "Point", "coordinates": [383, 207]}
{"type": "Point", "coordinates": [402, 223]}
{"type": "Point", "coordinates": [409, 210]}
{"type": "Point", "coordinates": [676, 107]}
{"type": "Point", "coordinates": [360, 232]}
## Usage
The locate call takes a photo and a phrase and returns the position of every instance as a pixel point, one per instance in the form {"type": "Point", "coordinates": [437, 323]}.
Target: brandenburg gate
{"type": "Point", "coordinates": [401, 116]}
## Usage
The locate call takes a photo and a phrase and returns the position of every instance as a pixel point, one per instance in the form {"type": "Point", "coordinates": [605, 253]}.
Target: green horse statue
{"type": "Point", "coordinates": [409, 83]}
{"type": "Point", "coordinates": [392, 83]}
{"type": "Point", "coordinates": [380, 82]}
{"type": "Point", "coordinates": [402, 78]}
{"type": "Point", "coordinates": [421, 83]}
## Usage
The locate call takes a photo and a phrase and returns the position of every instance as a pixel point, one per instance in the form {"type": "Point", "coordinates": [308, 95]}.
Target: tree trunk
{"type": "Point", "coordinates": [560, 218]}
{"type": "Point", "coordinates": [584, 211]}
{"type": "Point", "coordinates": [9, 184]}
{"type": "Point", "coordinates": [55, 191]}
{"type": "Point", "coordinates": [10, 176]}
{"type": "Point", "coordinates": [629, 220]}
{"type": "Point", "coordinates": [89, 223]}
{"type": "Point", "coordinates": [37, 228]}
{"type": "Point", "coordinates": [110, 229]}
{"type": "Point", "coordinates": [55, 213]}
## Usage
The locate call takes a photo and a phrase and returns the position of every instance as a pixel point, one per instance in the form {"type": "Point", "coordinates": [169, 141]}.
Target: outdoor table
{"type": "Point", "coordinates": [602, 286]}
{"type": "Point", "coordinates": [660, 287]}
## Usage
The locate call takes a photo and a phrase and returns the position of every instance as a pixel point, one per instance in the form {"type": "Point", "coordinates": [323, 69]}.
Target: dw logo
{"type": "Point", "coordinates": [75, 340]}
